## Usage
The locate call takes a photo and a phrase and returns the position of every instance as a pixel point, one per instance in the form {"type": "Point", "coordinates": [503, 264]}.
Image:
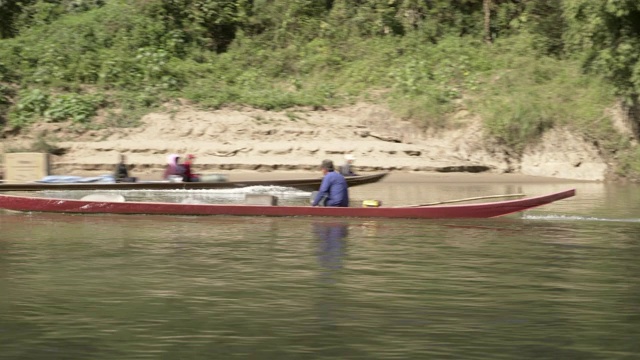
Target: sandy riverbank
{"type": "Point", "coordinates": [251, 142]}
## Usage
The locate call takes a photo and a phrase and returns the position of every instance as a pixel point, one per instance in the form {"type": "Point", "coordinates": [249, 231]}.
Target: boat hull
{"type": "Point", "coordinates": [484, 210]}
{"type": "Point", "coordinates": [307, 184]}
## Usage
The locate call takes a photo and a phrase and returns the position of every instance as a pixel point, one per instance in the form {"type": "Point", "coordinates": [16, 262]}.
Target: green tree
{"type": "Point", "coordinates": [486, 8]}
{"type": "Point", "coordinates": [283, 22]}
{"type": "Point", "coordinates": [10, 10]}
{"type": "Point", "coordinates": [609, 33]}
{"type": "Point", "coordinates": [209, 23]}
{"type": "Point", "coordinates": [548, 24]}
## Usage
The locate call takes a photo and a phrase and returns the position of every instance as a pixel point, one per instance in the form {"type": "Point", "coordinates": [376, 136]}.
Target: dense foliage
{"type": "Point", "coordinates": [608, 32]}
{"type": "Point", "coordinates": [524, 65]}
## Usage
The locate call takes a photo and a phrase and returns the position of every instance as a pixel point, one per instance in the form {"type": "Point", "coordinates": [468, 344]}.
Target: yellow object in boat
{"type": "Point", "coordinates": [371, 203]}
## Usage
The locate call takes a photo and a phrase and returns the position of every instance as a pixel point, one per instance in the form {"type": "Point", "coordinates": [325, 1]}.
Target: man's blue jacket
{"type": "Point", "coordinates": [334, 187]}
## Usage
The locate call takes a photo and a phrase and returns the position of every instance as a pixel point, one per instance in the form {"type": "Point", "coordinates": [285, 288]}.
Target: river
{"type": "Point", "coordinates": [558, 282]}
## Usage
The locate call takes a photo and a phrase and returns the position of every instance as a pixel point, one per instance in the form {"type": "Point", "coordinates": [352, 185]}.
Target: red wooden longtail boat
{"type": "Point", "coordinates": [484, 210]}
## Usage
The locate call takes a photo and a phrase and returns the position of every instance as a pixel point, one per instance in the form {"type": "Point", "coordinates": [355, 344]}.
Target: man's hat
{"type": "Point", "coordinates": [349, 157]}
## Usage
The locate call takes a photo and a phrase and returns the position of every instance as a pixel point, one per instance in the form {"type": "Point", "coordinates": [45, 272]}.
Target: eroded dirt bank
{"type": "Point", "coordinates": [257, 140]}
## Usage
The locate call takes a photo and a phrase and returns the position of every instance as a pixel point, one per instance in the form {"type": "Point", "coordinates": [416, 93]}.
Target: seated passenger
{"type": "Point", "coordinates": [174, 169]}
{"type": "Point", "coordinates": [121, 174]}
{"type": "Point", "coordinates": [333, 187]}
{"type": "Point", "coordinates": [347, 168]}
{"type": "Point", "coordinates": [188, 176]}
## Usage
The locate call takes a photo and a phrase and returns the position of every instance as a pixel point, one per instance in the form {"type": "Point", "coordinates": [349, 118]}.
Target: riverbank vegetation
{"type": "Point", "coordinates": [524, 66]}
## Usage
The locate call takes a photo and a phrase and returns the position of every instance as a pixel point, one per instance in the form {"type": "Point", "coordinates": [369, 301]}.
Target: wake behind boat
{"type": "Point", "coordinates": [483, 210]}
{"type": "Point", "coordinates": [304, 184]}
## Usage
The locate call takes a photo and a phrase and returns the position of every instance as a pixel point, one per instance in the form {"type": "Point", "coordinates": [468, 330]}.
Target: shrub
{"type": "Point", "coordinates": [31, 105]}
{"type": "Point", "coordinates": [78, 108]}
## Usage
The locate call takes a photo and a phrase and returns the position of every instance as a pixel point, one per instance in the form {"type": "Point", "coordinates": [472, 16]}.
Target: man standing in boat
{"type": "Point", "coordinates": [333, 187]}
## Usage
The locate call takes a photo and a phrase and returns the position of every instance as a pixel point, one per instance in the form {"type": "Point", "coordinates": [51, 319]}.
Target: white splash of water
{"type": "Point", "coordinates": [557, 217]}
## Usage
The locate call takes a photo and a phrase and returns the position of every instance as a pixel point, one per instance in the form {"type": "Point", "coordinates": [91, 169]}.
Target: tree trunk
{"type": "Point", "coordinates": [486, 5]}
{"type": "Point", "coordinates": [634, 116]}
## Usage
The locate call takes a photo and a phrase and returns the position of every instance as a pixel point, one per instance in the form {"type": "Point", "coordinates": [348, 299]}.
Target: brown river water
{"type": "Point", "coordinates": [558, 282]}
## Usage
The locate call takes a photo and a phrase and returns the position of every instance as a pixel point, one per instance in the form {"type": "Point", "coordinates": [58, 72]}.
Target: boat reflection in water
{"type": "Point", "coordinates": [331, 252]}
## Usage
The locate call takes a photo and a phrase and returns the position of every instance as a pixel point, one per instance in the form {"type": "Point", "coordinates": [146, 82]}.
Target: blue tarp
{"type": "Point", "coordinates": [77, 179]}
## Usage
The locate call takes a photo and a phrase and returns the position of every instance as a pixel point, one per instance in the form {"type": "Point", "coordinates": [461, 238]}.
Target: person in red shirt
{"type": "Point", "coordinates": [189, 176]}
